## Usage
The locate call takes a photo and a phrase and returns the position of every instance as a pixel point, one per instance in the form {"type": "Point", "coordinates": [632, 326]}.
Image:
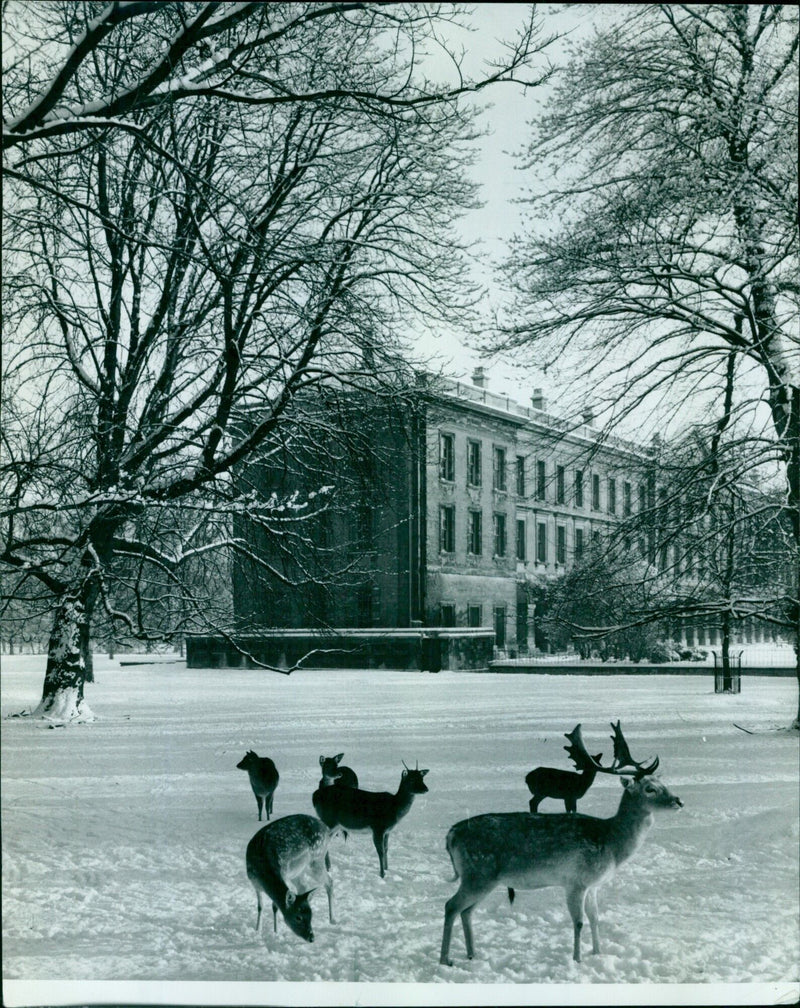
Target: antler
{"type": "Point", "coordinates": [577, 751]}
{"type": "Point", "coordinates": [622, 756]}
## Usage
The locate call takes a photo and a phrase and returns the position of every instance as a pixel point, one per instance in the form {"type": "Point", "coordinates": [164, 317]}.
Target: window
{"type": "Point", "coordinates": [474, 615]}
{"type": "Point", "coordinates": [447, 614]}
{"type": "Point", "coordinates": [612, 496]}
{"type": "Point", "coordinates": [540, 480]}
{"type": "Point", "coordinates": [541, 542]}
{"type": "Point", "coordinates": [520, 476]}
{"type": "Point", "coordinates": [578, 544]}
{"type": "Point", "coordinates": [561, 544]}
{"type": "Point", "coordinates": [447, 457]}
{"type": "Point", "coordinates": [447, 529]}
{"type": "Point", "coordinates": [474, 463]}
{"type": "Point", "coordinates": [474, 544]}
{"type": "Point", "coordinates": [560, 493]}
{"type": "Point", "coordinates": [500, 535]}
{"type": "Point", "coordinates": [627, 504]}
{"type": "Point", "coordinates": [642, 498]}
{"type": "Point", "coordinates": [521, 553]}
{"type": "Point", "coordinates": [499, 469]}
{"type": "Point", "coordinates": [579, 488]}
{"type": "Point", "coordinates": [595, 492]}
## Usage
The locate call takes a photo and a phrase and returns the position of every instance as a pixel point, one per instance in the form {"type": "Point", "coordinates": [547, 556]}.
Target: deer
{"type": "Point", "coordinates": [378, 811]}
{"type": "Point", "coordinates": [264, 779]}
{"type": "Point", "coordinates": [332, 773]}
{"type": "Point", "coordinates": [283, 854]}
{"type": "Point", "coordinates": [547, 782]}
{"type": "Point", "coordinates": [567, 849]}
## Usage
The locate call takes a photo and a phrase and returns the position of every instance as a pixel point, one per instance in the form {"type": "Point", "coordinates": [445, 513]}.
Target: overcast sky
{"type": "Point", "coordinates": [507, 111]}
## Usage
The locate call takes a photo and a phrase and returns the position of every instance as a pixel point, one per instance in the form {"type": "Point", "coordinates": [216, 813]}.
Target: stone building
{"type": "Point", "coordinates": [470, 500]}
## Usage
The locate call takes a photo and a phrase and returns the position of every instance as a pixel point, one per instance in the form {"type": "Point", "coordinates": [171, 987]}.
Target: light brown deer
{"type": "Point", "coordinates": [284, 854]}
{"type": "Point", "coordinates": [332, 773]}
{"type": "Point", "coordinates": [573, 851]}
{"type": "Point", "coordinates": [264, 779]}
{"type": "Point", "coordinates": [379, 811]}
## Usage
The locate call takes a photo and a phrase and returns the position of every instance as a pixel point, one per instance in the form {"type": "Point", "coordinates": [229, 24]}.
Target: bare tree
{"type": "Point", "coordinates": [194, 238]}
{"type": "Point", "coordinates": [666, 244]}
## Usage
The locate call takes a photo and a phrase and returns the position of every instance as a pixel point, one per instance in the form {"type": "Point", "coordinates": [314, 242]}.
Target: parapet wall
{"type": "Point", "coordinates": [428, 649]}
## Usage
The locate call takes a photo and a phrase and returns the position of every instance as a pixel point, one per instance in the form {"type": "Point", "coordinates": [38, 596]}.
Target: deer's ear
{"type": "Point", "coordinates": [321, 760]}
{"type": "Point", "coordinates": [422, 773]}
{"type": "Point", "coordinates": [405, 772]}
{"type": "Point", "coordinates": [627, 782]}
{"type": "Point", "coordinates": [339, 757]}
{"type": "Point", "coordinates": [290, 898]}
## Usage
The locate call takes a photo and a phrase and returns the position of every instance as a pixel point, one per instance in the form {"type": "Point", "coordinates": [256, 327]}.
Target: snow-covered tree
{"type": "Point", "coordinates": [211, 210]}
{"type": "Point", "coordinates": [664, 241]}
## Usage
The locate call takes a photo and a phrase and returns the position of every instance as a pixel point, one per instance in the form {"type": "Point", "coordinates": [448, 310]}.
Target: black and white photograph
{"type": "Point", "coordinates": [399, 504]}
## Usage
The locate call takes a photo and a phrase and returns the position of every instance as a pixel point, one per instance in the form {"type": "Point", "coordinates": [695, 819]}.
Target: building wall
{"type": "Point", "coordinates": [536, 493]}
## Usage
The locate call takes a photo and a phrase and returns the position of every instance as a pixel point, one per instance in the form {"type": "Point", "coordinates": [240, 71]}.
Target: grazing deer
{"type": "Point", "coordinates": [575, 852]}
{"type": "Point", "coordinates": [332, 773]}
{"type": "Point", "coordinates": [283, 854]}
{"type": "Point", "coordinates": [264, 779]}
{"type": "Point", "coordinates": [378, 811]}
{"type": "Point", "coordinates": [547, 782]}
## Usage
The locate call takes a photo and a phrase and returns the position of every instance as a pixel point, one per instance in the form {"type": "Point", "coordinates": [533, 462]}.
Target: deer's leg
{"type": "Point", "coordinates": [269, 810]}
{"type": "Point", "coordinates": [328, 883]}
{"type": "Point", "coordinates": [575, 900]}
{"type": "Point", "coordinates": [259, 802]}
{"type": "Point", "coordinates": [591, 913]}
{"type": "Point", "coordinates": [258, 918]}
{"type": "Point", "coordinates": [571, 804]}
{"type": "Point", "coordinates": [533, 804]}
{"type": "Point", "coordinates": [379, 839]}
{"type": "Point", "coordinates": [463, 903]}
{"type": "Point", "coordinates": [275, 917]}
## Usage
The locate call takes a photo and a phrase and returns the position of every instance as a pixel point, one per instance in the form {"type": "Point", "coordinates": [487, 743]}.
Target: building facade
{"type": "Point", "coordinates": [475, 500]}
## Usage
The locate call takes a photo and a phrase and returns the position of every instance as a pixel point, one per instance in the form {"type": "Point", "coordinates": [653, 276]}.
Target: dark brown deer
{"type": "Point", "coordinates": [332, 773]}
{"type": "Point", "coordinates": [264, 779]}
{"type": "Point", "coordinates": [378, 811]}
{"type": "Point", "coordinates": [575, 852]}
{"type": "Point", "coordinates": [547, 782]}
{"type": "Point", "coordinates": [283, 854]}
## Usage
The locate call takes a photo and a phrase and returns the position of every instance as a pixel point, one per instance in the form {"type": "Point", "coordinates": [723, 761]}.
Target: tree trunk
{"type": "Point", "coordinates": [62, 694]}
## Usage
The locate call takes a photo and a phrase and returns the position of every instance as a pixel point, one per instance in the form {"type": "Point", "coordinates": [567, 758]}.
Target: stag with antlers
{"type": "Point", "coordinates": [548, 782]}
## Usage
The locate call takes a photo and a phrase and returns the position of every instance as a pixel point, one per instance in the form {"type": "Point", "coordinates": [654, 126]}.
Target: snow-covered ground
{"type": "Point", "coordinates": [123, 840]}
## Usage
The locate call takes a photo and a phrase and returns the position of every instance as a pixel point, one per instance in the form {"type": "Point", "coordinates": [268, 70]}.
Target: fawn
{"type": "Point", "coordinates": [332, 773]}
{"type": "Point", "coordinates": [575, 852]}
{"type": "Point", "coordinates": [547, 782]}
{"type": "Point", "coordinates": [264, 779]}
{"type": "Point", "coordinates": [378, 811]}
{"type": "Point", "coordinates": [284, 853]}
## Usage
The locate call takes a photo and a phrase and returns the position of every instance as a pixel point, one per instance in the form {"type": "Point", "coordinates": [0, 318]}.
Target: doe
{"type": "Point", "coordinates": [332, 773]}
{"type": "Point", "coordinates": [264, 779]}
{"type": "Point", "coordinates": [283, 854]}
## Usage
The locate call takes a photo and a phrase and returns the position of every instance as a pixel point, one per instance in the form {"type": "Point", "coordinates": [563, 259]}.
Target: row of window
{"type": "Point", "coordinates": [475, 546]}
{"type": "Point", "coordinates": [447, 472]}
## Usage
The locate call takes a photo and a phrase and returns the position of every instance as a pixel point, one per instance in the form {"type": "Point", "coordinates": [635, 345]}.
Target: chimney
{"type": "Point", "coordinates": [479, 377]}
{"type": "Point", "coordinates": [588, 416]}
{"type": "Point", "coordinates": [537, 399]}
